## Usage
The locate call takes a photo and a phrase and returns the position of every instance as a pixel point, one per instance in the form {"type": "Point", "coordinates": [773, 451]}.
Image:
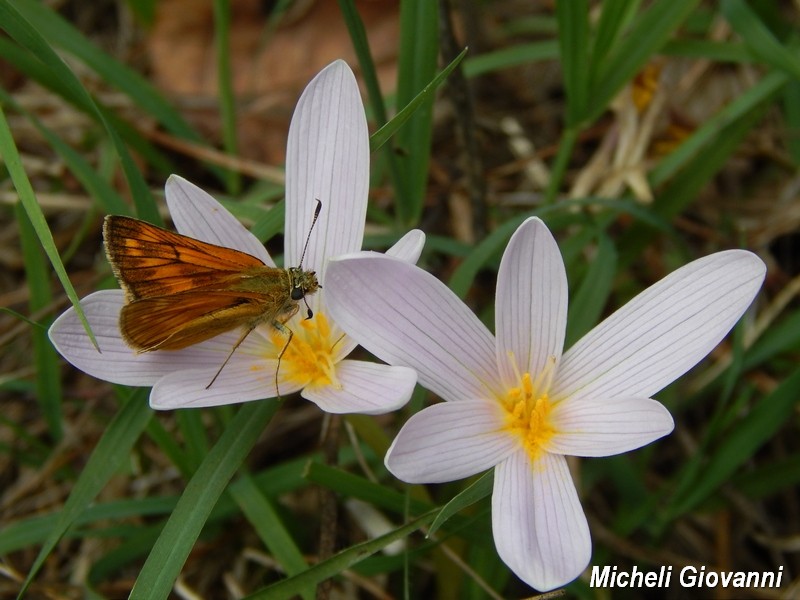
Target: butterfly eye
{"type": "Point", "coordinates": [298, 293]}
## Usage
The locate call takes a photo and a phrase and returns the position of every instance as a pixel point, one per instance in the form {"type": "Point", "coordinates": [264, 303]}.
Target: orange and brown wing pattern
{"type": "Point", "coordinates": [150, 261]}
{"type": "Point", "coordinates": [181, 320]}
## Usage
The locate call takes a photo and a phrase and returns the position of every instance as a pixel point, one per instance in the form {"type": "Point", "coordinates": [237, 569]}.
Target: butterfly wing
{"type": "Point", "coordinates": [180, 320]}
{"type": "Point", "coordinates": [150, 261]}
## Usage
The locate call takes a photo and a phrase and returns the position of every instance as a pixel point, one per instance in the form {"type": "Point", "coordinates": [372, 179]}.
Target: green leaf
{"type": "Point", "coordinates": [265, 520]}
{"type": "Point", "coordinates": [573, 39]}
{"type": "Point", "coordinates": [475, 492]}
{"type": "Point", "coordinates": [167, 557]}
{"type": "Point", "coordinates": [37, 276]}
{"type": "Point", "coordinates": [586, 305]}
{"type": "Point", "coordinates": [419, 20]}
{"type": "Point", "coordinates": [759, 39]}
{"type": "Point", "coordinates": [27, 198]}
{"type": "Point", "coordinates": [338, 563]}
{"type": "Point", "coordinates": [380, 137]}
{"type": "Point", "coordinates": [227, 99]}
{"type": "Point", "coordinates": [108, 456]}
{"type": "Point", "coordinates": [740, 443]}
{"type": "Point", "coordinates": [15, 24]}
{"type": "Point", "coordinates": [505, 58]}
{"type": "Point", "coordinates": [646, 36]}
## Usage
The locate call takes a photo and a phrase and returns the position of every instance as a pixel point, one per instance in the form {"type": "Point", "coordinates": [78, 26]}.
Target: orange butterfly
{"type": "Point", "coordinates": [182, 291]}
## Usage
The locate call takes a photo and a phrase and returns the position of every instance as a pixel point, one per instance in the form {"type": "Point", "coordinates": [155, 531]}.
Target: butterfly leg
{"type": "Point", "coordinates": [283, 329]}
{"type": "Point", "coordinates": [235, 346]}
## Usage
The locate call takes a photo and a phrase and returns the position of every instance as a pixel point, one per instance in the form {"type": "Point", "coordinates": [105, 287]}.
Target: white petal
{"type": "Point", "coordinates": [405, 316]}
{"type": "Point", "coordinates": [408, 247]}
{"type": "Point", "coordinates": [592, 427]}
{"type": "Point", "coordinates": [539, 527]}
{"type": "Point", "coordinates": [663, 332]}
{"type": "Point", "coordinates": [196, 214]}
{"type": "Point", "coordinates": [531, 307]}
{"type": "Point", "coordinates": [245, 378]}
{"type": "Point", "coordinates": [117, 362]}
{"type": "Point", "coordinates": [367, 388]}
{"type": "Point", "coordinates": [450, 441]}
{"type": "Point", "coordinates": [327, 159]}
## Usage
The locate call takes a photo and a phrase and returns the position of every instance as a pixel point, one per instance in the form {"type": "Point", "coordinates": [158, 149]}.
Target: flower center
{"type": "Point", "coordinates": [528, 409]}
{"type": "Point", "coordinates": [310, 358]}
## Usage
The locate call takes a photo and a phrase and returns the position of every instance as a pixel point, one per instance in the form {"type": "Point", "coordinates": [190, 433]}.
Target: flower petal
{"type": "Point", "coordinates": [408, 247]}
{"type": "Point", "coordinates": [407, 317]}
{"type": "Point", "coordinates": [531, 306]}
{"type": "Point", "coordinates": [117, 362]}
{"type": "Point", "coordinates": [663, 332]}
{"type": "Point", "coordinates": [592, 427]}
{"type": "Point", "coordinates": [367, 388]}
{"type": "Point", "coordinates": [327, 159]}
{"type": "Point", "coordinates": [245, 378]}
{"type": "Point", "coordinates": [198, 215]}
{"type": "Point", "coordinates": [449, 441]}
{"type": "Point", "coordinates": [539, 527]}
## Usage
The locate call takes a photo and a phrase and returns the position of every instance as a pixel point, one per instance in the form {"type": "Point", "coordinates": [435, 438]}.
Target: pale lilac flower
{"type": "Point", "coordinates": [513, 401]}
{"type": "Point", "coordinates": [327, 159]}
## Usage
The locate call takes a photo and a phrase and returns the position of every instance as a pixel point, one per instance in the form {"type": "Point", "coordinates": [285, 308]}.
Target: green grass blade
{"type": "Point", "coordinates": [97, 187]}
{"type": "Point", "coordinates": [108, 456]}
{"type": "Point", "coordinates": [647, 35]}
{"type": "Point", "coordinates": [380, 137]}
{"type": "Point", "coordinates": [586, 305]}
{"type": "Point", "coordinates": [37, 276]}
{"type": "Point", "coordinates": [338, 563]}
{"type": "Point", "coordinates": [741, 442]}
{"type": "Point", "coordinates": [759, 39]}
{"type": "Point", "coordinates": [191, 426]}
{"type": "Point", "coordinates": [614, 16]}
{"type": "Point", "coordinates": [27, 36]}
{"type": "Point", "coordinates": [358, 35]}
{"type": "Point", "coordinates": [262, 515]}
{"type": "Point", "coordinates": [573, 41]}
{"type": "Point", "coordinates": [25, 62]}
{"type": "Point", "coordinates": [227, 99]}
{"type": "Point", "coordinates": [164, 563]}
{"type": "Point", "coordinates": [419, 20]}
{"type": "Point", "coordinates": [478, 490]}
{"type": "Point", "coordinates": [791, 110]}
{"type": "Point", "coordinates": [8, 151]}
{"type": "Point", "coordinates": [63, 34]}
{"type": "Point", "coordinates": [505, 58]}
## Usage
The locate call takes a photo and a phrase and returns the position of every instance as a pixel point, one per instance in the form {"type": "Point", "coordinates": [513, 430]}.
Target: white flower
{"type": "Point", "coordinates": [327, 159]}
{"type": "Point", "coordinates": [513, 402]}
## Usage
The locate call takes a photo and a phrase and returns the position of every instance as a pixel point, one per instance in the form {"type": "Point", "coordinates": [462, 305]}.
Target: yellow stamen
{"type": "Point", "coordinates": [528, 408]}
{"type": "Point", "coordinates": [310, 358]}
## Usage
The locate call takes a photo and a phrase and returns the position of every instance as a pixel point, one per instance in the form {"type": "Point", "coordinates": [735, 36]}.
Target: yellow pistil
{"type": "Point", "coordinates": [309, 359]}
{"type": "Point", "coordinates": [528, 410]}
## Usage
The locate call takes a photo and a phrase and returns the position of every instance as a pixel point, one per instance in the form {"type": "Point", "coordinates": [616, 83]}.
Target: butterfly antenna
{"type": "Point", "coordinates": [310, 229]}
{"type": "Point", "coordinates": [235, 346]}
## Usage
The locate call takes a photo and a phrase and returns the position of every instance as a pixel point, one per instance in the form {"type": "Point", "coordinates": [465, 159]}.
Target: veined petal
{"type": "Point", "coordinates": [117, 362]}
{"type": "Point", "coordinates": [198, 215]}
{"type": "Point", "coordinates": [593, 427]}
{"type": "Point", "coordinates": [531, 306]}
{"type": "Point", "coordinates": [663, 332]}
{"type": "Point", "coordinates": [450, 441]}
{"type": "Point", "coordinates": [327, 159]}
{"type": "Point", "coordinates": [367, 388]}
{"type": "Point", "coordinates": [405, 316]}
{"type": "Point", "coordinates": [539, 527]}
{"type": "Point", "coordinates": [245, 378]}
{"type": "Point", "coordinates": [408, 247]}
